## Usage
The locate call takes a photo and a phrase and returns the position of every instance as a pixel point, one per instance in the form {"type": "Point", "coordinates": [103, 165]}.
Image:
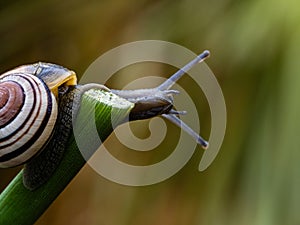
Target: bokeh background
{"type": "Point", "coordinates": [255, 56]}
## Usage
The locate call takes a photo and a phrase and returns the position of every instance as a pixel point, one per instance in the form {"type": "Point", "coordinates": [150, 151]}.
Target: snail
{"type": "Point", "coordinates": [36, 103]}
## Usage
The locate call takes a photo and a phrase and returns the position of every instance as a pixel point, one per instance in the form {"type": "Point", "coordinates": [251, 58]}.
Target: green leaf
{"type": "Point", "coordinates": [21, 206]}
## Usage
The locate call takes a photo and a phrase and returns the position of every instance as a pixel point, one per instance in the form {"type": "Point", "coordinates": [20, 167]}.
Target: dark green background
{"type": "Point", "coordinates": [255, 56]}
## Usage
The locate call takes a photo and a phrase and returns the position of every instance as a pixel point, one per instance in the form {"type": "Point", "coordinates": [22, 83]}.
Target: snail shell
{"type": "Point", "coordinates": [31, 106]}
{"type": "Point", "coordinates": [28, 112]}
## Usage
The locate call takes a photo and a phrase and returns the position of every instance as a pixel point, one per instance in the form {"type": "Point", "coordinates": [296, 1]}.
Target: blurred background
{"type": "Point", "coordinates": [255, 57]}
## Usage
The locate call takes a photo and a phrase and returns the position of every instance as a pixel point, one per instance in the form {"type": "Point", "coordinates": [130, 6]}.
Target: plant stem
{"type": "Point", "coordinates": [21, 206]}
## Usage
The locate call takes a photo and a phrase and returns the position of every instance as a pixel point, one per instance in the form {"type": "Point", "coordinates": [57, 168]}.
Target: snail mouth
{"type": "Point", "coordinates": [144, 111]}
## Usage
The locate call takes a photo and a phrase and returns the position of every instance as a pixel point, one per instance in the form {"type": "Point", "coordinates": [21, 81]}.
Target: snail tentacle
{"type": "Point", "coordinates": [159, 101]}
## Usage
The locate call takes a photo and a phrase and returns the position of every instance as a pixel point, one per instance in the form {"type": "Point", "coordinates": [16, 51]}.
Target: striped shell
{"type": "Point", "coordinates": [28, 112]}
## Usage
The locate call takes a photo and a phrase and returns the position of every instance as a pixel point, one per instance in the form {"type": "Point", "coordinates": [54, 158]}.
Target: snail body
{"type": "Point", "coordinates": [36, 103]}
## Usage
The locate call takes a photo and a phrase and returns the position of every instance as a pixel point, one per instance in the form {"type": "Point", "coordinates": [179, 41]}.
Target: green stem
{"type": "Point", "coordinates": [21, 206]}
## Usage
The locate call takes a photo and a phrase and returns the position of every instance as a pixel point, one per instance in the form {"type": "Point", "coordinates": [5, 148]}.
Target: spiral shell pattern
{"type": "Point", "coordinates": [28, 112]}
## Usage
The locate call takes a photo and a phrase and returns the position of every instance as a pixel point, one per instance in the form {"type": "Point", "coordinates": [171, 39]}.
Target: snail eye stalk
{"type": "Point", "coordinates": [171, 115]}
{"type": "Point", "coordinates": [174, 119]}
{"type": "Point", "coordinates": [159, 101]}
{"type": "Point", "coordinates": [176, 76]}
